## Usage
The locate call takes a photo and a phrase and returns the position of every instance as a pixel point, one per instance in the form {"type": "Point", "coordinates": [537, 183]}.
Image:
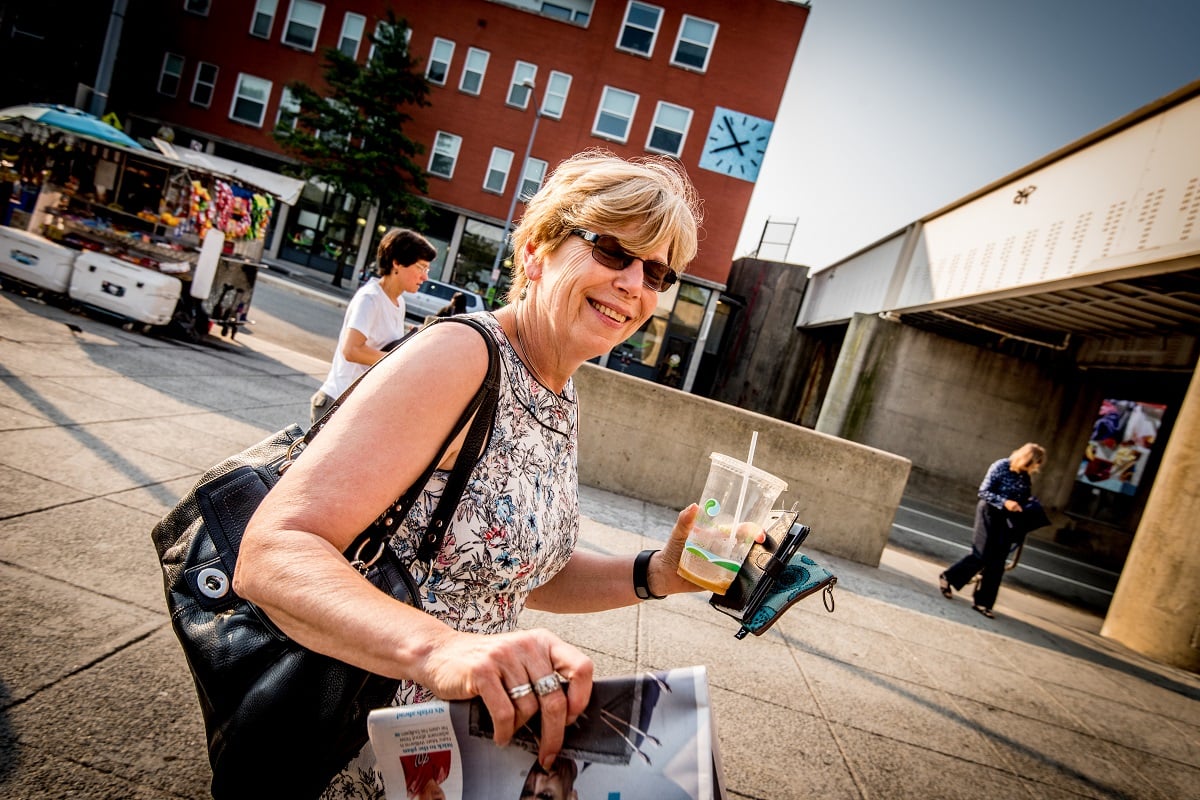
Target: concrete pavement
{"type": "Point", "coordinates": [897, 694]}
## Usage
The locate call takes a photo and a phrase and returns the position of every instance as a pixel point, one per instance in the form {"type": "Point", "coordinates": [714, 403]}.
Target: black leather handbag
{"type": "Point", "coordinates": [282, 720]}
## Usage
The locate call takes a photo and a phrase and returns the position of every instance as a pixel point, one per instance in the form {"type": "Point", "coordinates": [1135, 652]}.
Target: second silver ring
{"type": "Point", "coordinates": [517, 692]}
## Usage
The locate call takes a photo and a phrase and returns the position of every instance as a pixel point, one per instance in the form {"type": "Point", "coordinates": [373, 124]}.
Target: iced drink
{"type": "Point", "coordinates": [712, 556]}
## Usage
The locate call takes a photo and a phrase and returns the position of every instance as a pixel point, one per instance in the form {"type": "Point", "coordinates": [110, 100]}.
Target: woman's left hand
{"type": "Point", "coordinates": [664, 577]}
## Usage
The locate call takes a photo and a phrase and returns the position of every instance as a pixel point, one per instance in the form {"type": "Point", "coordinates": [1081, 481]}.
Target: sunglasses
{"type": "Point", "coordinates": [607, 250]}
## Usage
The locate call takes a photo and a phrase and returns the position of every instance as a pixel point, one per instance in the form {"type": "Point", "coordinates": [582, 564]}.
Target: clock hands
{"type": "Point", "coordinates": [736, 143]}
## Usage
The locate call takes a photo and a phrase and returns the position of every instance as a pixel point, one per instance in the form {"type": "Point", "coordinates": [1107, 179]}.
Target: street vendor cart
{"type": "Point", "coordinates": [157, 239]}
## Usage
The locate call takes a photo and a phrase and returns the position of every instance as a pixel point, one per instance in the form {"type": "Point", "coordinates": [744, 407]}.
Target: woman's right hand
{"type": "Point", "coordinates": [459, 666]}
{"type": "Point", "coordinates": [1012, 505]}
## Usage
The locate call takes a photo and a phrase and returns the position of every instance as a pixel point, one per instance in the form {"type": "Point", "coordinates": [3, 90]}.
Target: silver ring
{"type": "Point", "coordinates": [548, 685]}
{"type": "Point", "coordinates": [517, 692]}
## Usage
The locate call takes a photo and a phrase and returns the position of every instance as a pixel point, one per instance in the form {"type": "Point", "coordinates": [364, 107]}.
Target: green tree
{"type": "Point", "coordinates": [350, 133]}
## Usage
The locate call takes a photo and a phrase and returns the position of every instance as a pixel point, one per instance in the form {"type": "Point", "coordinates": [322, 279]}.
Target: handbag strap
{"type": "Point", "coordinates": [370, 544]}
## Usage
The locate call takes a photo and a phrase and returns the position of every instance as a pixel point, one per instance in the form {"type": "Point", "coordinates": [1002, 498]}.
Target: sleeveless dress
{"type": "Point", "coordinates": [514, 529]}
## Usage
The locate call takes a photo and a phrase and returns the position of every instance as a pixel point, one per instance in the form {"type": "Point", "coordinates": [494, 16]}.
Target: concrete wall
{"type": "Point", "coordinates": [652, 442]}
{"type": "Point", "coordinates": [952, 409]}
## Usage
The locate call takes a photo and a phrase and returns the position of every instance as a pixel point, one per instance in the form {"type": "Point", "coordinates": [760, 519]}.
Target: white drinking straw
{"type": "Point", "coordinates": [737, 513]}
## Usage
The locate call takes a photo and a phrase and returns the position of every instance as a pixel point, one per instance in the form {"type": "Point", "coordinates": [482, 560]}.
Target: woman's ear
{"type": "Point", "coordinates": [533, 264]}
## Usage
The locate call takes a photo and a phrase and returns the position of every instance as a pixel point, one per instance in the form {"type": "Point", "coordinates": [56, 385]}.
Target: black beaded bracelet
{"type": "Point", "coordinates": [641, 575]}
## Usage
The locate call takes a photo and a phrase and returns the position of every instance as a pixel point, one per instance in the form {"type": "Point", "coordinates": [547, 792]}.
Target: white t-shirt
{"type": "Point", "coordinates": [372, 314]}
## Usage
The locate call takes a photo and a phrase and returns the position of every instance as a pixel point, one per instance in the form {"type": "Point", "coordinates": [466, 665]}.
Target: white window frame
{"type": "Point", "coordinates": [499, 156]}
{"type": "Point", "coordinates": [287, 24]}
{"type": "Point", "coordinates": [657, 124]}
{"type": "Point", "coordinates": [626, 23]}
{"type": "Point", "coordinates": [197, 83]}
{"type": "Point", "coordinates": [266, 9]}
{"type": "Point", "coordinates": [347, 36]}
{"type": "Point", "coordinates": [288, 113]}
{"type": "Point", "coordinates": [380, 27]}
{"type": "Point", "coordinates": [519, 94]}
{"type": "Point", "coordinates": [709, 46]}
{"type": "Point", "coordinates": [530, 185]}
{"type": "Point", "coordinates": [612, 93]}
{"type": "Point", "coordinates": [447, 46]}
{"type": "Point", "coordinates": [476, 63]}
{"type": "Point", "coordinates": [198, 7]}
{"type": "Point", "coordinates": [447, 146]}
{"type": "Point", "coordinates": [554, 100]}
{"type": "Point", "coordinates": [265, 86]}
{"type": "Point", "coordinates": [176, 76]}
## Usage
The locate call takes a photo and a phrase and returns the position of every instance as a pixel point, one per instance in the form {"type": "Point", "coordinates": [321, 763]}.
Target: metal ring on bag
{"type": "Point", "coordinates": [213, 583]}
{"type": "Point", "coordinates": [362, 566]}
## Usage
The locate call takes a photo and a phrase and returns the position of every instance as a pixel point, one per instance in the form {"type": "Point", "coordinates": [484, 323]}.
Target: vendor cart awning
{"type": "Point", "coordinates": [286, 189]}
{"type": "Point", "coordinates": [71, 120]}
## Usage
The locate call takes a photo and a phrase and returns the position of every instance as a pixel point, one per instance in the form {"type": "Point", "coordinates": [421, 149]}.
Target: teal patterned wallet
{"type": "Point", "coordinates": [774, 577]}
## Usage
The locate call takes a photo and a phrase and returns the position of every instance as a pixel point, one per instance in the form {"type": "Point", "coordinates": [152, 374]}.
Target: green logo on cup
{"type": "Point", "coordinates": [712, 507]}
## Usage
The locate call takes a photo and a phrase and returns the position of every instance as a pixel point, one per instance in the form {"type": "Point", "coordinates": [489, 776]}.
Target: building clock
{"type": "Point", "coordinates": [736, 143]}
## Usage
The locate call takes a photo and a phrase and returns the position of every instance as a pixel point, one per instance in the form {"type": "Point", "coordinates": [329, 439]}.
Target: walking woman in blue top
{"type": "Point", "coordinates": [1006, 493]}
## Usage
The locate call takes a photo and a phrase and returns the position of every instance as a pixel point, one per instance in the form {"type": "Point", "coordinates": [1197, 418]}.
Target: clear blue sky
{"type": "Point", "coordinates": [894, 109]}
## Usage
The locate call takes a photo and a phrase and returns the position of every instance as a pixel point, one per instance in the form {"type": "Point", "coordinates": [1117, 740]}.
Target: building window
{"type": "Point", "coordinates": [381, 30]}
{"type": "Point", "coordinates": [197, 7]}
{"type": "Point", "coordinates": [439, 61]}
{"type": "Point", "coordinates": [264, 18]}
{"type": "Point", "coordinates": [531, 180]}
{"type": "Point", "coordinates": [474, 69]}
{"type": "Point", "coordinates": [555, 99]}
{"type": "Point", "coordinates": [669, 129]}
{"type": "Point", "coordinates": [497, 171]}
{"type": "Point", "coordinates": [577, 12]}
{"type": "Point", "coordinates": [352, 34]}
{"type": "Point", "coordinates": [303, 24]}
{"type": "Point", "coordinates": [289, 110]}
{"type": "Point", "coordinates": [640, 28]}
{"type": "Point", "coordinates": [250, 100]}
{"type": "Point", "coordinates": [172, 71]}
{"type": "Point", "coordinates": [615, 114]}
{"type": "Point", "coordinates": [523, 77]}
{"type": "Point", "coordinates": [206, 81]}
{"type": "Point", "coordinates": [445, 154]}
{"type": "Point", "coordinates": [695, 43]}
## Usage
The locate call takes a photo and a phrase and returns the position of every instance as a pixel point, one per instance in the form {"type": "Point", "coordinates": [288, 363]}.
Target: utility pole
{"type": "Point", "coordinates": [512, 208]}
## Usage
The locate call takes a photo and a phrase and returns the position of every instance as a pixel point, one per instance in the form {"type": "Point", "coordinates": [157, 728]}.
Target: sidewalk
{"type": "Point", "coordinates": [897, 694]}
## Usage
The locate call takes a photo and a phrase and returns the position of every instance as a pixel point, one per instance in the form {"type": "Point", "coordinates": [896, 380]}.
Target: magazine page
{"type": "Point", "coordinates": [642, 737]}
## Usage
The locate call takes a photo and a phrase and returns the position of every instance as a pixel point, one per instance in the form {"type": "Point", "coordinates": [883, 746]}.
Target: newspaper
{"type": "Point", "coordinates": [649, 736]}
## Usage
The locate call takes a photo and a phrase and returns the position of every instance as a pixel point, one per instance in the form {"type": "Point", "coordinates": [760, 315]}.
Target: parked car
{"type": "Point", "coordinates": [432, 296]}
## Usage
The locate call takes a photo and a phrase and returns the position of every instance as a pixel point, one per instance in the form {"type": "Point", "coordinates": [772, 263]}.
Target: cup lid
{"type": "Point", "coordinates": [761, 476]}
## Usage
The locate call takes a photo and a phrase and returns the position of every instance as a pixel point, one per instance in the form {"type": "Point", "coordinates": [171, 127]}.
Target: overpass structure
{"type": "Point", "coordinates": [1060, 304]}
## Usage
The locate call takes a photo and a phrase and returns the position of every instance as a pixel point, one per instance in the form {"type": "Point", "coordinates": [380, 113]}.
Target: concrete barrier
{"type": "Point", "coordinates": [651, 442]}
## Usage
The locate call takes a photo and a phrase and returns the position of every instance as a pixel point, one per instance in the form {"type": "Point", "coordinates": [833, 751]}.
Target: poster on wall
{"type": "Point", "coordinates": [1122, 437]}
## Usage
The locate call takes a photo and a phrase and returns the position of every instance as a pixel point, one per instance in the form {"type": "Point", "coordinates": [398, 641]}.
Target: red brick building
{"type": "Point", "coordinates": [699, 80]}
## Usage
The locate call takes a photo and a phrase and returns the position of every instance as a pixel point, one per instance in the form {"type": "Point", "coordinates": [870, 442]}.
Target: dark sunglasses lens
{"type": "Point", "coordinates": [608, 251]}
{"type": "Point", "coordinates": [658, 275]}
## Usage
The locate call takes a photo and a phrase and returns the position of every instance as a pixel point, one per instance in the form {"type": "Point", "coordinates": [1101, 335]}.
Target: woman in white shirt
{"type": "Point", "coordinates": [375, 316]}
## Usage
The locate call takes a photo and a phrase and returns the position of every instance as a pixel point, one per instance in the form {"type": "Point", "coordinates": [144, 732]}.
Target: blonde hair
{"type": "Point", "coordinates": [1027, 456]}
{"type": "Point", "coordinates": [598, 191]}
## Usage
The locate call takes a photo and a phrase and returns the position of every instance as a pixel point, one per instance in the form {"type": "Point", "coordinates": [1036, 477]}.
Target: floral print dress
{"type": "Point", "coordinates": [514, 529]}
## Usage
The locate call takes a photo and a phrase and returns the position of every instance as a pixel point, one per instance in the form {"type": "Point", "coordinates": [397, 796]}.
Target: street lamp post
{"type": "Point", "coordinates": [512, 208]}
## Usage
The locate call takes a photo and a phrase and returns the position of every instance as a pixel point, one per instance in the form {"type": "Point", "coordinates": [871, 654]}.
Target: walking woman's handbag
{"type": "Point", "coordinates": [282, 720]}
